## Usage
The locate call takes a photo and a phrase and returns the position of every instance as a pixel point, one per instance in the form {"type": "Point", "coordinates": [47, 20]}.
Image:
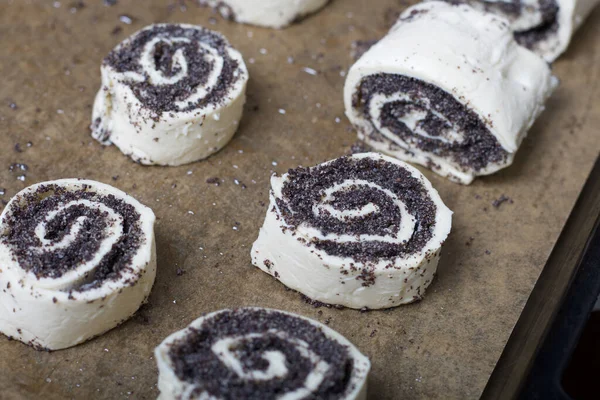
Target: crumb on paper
{"type": "Point", "coordinates": [502, 199]}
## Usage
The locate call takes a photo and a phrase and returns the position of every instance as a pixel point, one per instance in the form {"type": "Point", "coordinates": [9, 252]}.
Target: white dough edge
{"type": "Point", "coordinates": [571, 15]}
{"type": "Point", "coordinates": [318, 276]}
{"type": "Point", "coordinates": [173, 388]}
{"type": "Point", "coordinates": [175, 137]}
{"type": "Point", "coordinates": [443, 47]}
{"type": "Point", "coordinates": [31, 315]}
{"type": "Point", "coordinates": [382, 144]}
{"type": "Point", "coordinates": [275, 14]}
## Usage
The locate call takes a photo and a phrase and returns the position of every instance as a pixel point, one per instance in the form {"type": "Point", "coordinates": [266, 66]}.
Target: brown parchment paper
{"type": "Point", "coordinates": [442, 347]}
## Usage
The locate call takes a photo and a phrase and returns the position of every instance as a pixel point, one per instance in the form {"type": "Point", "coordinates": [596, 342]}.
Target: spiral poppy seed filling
{"type": "Point", "coordinates": [171, 94]}
{"type": "Point", "coordinates": [449, 88]}
{"type": "Point", "coordinates": [475, 150]}
{"type": "Point", "coordinates": [32, 209]}
{"type": "Point", "coordinates": [361, 231]}
{"type": "Point", "coordinates": [165, 97]}
{"type": "Point", "coordinates": [305, 188]}
{"type": "Point", "coordinates": [77, 258]}
{"type": "Point", "coordinates": [195, 360]}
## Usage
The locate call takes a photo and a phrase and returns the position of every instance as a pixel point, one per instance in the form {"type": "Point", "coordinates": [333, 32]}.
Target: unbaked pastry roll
{"type": "Point", "coordinates": [257, 353]}
{"type": "Point", "coordinates": [268, 13]}
{"type": "Point", "coordinates": [448, 88]}
{"type": "Point", "coordinates": [77, 258]}
{"type": "Point", "coordinates": [544, 26]}
{"type": "Point", "coordinates": [171, 94]}
{"type": "Point", "coordinates": [360, 231]}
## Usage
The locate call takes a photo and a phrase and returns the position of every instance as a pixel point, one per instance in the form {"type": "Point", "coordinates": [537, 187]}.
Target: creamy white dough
{"type": "Point", "coordinates": [172, 387]}
{"type": "Point", "coordinates": [287, 252]}
{"type": "Point", "coordinates": [550, 45]}
{"type": "Point", "coordinates": [182, 134]}
{"type": "Point", "coordinates": [268, 13]}
{"type": "Point", "coordinates": [471, 56]}
{"type": "Point", "coordinates": [56, 313]}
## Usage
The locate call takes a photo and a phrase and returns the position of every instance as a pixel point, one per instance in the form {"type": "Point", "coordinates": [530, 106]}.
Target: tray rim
{"type": "Point", "coordinates": [548, 295]}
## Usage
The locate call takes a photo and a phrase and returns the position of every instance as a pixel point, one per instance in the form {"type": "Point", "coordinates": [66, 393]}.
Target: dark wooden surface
{"type": "Point", "coordinates": [445, 346]}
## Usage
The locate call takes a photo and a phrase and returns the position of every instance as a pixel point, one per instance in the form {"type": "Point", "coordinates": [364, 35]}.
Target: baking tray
{"type": "Point", "coordinates": [545, 379]}
{"type": "Point", "coordinates": [544, 340]}
{"type": "Point", "coordinates": [445, 346]}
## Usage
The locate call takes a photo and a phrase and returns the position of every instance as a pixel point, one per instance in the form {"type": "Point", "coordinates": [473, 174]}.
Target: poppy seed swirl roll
{"type": "Point", "coordinates": [543, 26]}
{"type": "Point", "coordinates": [448, 88]}
{"type": "Point", "coordinates": [257, 353]}
{"type": "Point", "coordinates": [171, 94]}
{"type": "Point", "coordinates": [359, 231]}
{"type": "Point", "coordinates": [77, 258]}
